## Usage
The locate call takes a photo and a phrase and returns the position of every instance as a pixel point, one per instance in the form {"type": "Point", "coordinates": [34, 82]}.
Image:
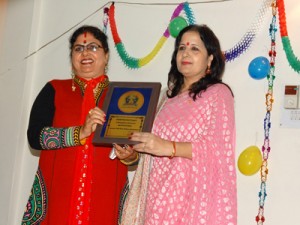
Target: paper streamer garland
{"type": "Point", "coordinates": [135, 63]}
{"type": "Point", "coordinates": [248, 38]}
{"type": "Point", "coordinates": [230, 55]}
{"type": "Point", "coordinates": [292, 59]}
{"type": "Point", "coordinates": [105, 19]}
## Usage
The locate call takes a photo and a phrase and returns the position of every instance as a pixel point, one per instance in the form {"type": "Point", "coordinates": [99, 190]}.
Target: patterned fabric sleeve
{"type": "Point", "coordinates": [56, 138]}
{"type": "Point", "coordinates": [41, 135]}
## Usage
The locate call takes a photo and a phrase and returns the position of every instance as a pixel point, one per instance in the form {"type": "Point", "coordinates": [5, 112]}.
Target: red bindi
{"type": "Point", "coordinates": [84, 41]}
{"type": "Point", "coordinates": [188, 43]}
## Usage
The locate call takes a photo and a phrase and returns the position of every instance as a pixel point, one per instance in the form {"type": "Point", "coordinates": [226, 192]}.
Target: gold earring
{"type": "Point", "coordinates": [208, 71]}
{"type": "Point", "coordinates": [105, 69]}
{"type": "Point", "coordinates": [73, 84]}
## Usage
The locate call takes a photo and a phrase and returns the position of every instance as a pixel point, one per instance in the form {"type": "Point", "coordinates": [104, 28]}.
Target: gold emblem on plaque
{"type": "Point", "coordinates": [131, 101]}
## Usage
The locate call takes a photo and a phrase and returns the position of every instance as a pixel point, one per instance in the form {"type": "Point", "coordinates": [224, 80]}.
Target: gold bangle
{"type": "Point", "coordinates": [83, 141]}
{"type": "Point", "coordinates": [174, 150]}
{"type": "Point", "coordinates": [131, 162]}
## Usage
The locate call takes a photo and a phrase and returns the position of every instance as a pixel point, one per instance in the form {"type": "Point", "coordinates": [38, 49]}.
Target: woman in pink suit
{"type": "Point", "coordinates": [187, 173]}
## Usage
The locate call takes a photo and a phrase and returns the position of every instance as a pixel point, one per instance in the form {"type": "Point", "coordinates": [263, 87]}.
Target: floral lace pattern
{"type": "Point", "coordinates": [201, 190]}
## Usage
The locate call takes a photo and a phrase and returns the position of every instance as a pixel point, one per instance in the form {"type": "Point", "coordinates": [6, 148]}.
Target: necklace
{"type": "Point", "coordinates": [97, 90]}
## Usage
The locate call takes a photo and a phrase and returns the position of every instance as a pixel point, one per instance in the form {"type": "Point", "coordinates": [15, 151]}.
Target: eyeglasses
{"type": "Point", "coordinates": [92, 47]}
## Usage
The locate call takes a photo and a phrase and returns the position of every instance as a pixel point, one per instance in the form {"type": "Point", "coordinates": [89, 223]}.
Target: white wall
{"type": "Point", "coordinates": [14, 102]}
{"type": "Point", "coordinates": [31, 24]}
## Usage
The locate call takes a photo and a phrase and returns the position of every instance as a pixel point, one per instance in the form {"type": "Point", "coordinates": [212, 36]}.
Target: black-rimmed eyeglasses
{"type": "Point", "coordinates": [92, 47]}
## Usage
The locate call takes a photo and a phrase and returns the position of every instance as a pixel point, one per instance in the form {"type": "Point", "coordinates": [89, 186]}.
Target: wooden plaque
{"type": "Point", "coordinates": [129, 107]}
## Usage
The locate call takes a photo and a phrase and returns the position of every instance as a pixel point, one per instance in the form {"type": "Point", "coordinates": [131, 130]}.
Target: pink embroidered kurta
{"type": "Point", "coordinates": [201, 190]}
{"type": "Point", "coordinates": [196, 191]}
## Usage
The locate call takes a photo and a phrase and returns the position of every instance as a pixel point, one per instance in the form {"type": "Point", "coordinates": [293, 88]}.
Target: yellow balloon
{"type": "Point", "coordinates": [250, 160]}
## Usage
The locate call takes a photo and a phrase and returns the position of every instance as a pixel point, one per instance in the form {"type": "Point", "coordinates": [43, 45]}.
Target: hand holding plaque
{"type": "Point", "coordinates": [129, 107]}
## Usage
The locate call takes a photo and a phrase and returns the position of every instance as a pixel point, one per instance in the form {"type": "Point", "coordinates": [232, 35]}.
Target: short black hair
{"type": "Point", "coordinates": [95, 31]}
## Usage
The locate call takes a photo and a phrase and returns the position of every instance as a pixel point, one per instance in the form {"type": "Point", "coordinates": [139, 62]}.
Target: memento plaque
{"type": "Point", "coordinates": [129, 107]}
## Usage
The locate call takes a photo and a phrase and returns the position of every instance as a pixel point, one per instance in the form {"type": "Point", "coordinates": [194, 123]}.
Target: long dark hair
{"type": "Point", "coordinates": [212, 45]}
{"type": "Point", "coordinates": [95, 31]}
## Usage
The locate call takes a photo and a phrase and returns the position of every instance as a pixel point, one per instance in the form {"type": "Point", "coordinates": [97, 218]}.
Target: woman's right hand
{"type": "Point", "coordinates": [94, 117]}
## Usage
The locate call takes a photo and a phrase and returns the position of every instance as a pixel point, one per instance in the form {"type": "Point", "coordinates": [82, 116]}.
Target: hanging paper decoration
{"type": "Point", "coordinates": [105, 19]}
{"type": "Point", "coordinates": [260, 218]}
{"type": "Point", "coordinates": [292, 59]}
{"type": "Point", "coordinates": [248, 38]}
{"type": "Point", "coordinates": [135, 63]}
{"type": "Point", "coordinates": [189, 14]}
{"type": "Point", "coordinates": [230, 54]}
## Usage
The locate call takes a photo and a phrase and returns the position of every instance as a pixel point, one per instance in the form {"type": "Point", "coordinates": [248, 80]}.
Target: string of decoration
{"type": "Point", "coordinates": [260, 219]}
{"type": "Point", "coordinates": [105, 19]}
{"type": "Point", "coordinates": [250, 35]}
{"type": "Point", "coordinates": [230, 55]}
{"type": "Point", "coordinates": [132, 62]}
{"type": "Point", "coordinates": [2, 73]}
{"type": "Point", "coordinates": [171, 3]}
{"type": "Point", "coordinates": [292, 59]}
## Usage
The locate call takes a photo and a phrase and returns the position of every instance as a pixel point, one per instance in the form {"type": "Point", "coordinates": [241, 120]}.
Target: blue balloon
{"type": "Point", "coordinates": [259, 68]}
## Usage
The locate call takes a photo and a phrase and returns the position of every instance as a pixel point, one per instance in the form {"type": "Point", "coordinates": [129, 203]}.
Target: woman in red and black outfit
{"type": "Point", "coordinates": [76, 182]}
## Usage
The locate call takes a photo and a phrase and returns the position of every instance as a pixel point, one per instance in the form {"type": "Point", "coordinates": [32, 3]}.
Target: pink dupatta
{"type": "Point", "coordinates": [135, 203]}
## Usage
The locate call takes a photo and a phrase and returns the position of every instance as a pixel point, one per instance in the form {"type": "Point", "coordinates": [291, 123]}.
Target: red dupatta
{"type": "Point", "coordinates": [81, 194]}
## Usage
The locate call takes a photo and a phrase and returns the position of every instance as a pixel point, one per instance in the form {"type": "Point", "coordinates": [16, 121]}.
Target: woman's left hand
{"type": "Point", "coordinates": [125, 152]}
{"type": "Point", "coordinates": [151, 144]}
